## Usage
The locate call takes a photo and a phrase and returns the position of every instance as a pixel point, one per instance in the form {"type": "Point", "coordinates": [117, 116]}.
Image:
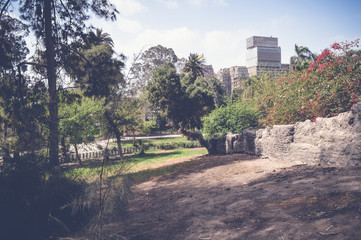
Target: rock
{"type": "Point", "coordinates": [335, 140]}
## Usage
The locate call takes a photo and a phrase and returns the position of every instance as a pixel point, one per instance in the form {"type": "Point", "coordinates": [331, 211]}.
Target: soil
{"type": "Point", "coordinates": [241, 197]}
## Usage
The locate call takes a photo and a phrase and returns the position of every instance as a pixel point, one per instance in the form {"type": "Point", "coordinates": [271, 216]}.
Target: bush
{"type": "Point", "coordinates": [169, 146]}
{"type": "Point", "coordinates": [232, 118]}
{"type": "Point", "coordinates": [149, 127]}
{"type": "Point", "coordinates": [329, 86]}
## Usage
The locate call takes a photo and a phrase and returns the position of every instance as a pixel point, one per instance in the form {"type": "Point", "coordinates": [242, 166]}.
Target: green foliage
{"type": "Point", "coordinates": [232, 118]}
{"type": "Point", "coordinates": [166, 93]}
{"type": "Point", "coordinates": [194, 65]}
{"type": "Point", "coordinates": [93, 66]}
{"type": "Point", "coordinates": [182, 99]}
{"type": "Point", "coordinates": [141, 70]}
{"type": "Point", "coordinates": [12, 42]}
{"type": "Point", "coordinates": [303, 58]}
{"type": "Point", "coordinates": [22, 115]}
{"type": "Point", "coordinates": [149, 127]}
{"type": "Point", "coordinates": [33, 207]}
{"type": "Point", "coordinates": [79, 120]}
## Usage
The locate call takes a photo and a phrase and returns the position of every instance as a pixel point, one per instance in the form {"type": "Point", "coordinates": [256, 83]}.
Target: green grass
{"type": "Point", "coordinates": [154, 141]}
{"type": "Point", "coordinates": [133, 164]}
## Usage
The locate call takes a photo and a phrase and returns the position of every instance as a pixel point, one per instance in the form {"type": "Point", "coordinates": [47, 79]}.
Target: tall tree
{"type": "Point", "coordinates": [181, 99]}
{"type": "Point", "coordinates": [303, 57]}
{"type": "Point", "coordinates": [194, 65]}
{"type": "Point", "coordinates": [140, 73]}
{"type": "Point", "coordinates": [56, 23]}
{"type": "Point", "coordinates": [94, 66]}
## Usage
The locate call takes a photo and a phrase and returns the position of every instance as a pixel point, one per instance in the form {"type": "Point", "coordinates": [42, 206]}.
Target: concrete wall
{"type": "Point", "coordinates": [335, 140]}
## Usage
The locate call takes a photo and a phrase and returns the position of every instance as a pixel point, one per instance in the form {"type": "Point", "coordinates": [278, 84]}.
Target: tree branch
{"type": "Point", "coordinates": [3, 8]}
{"type": "Point", "coordinates": [195, 135]}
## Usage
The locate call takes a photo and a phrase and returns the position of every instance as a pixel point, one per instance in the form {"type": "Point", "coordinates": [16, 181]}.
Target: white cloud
{"type": "Point", "coordinates": [222, 3]}
{"type": "Point", "coordinates": [182, 40]}
{"type": "Point", "coordinates": [127, 25]}
{"type": "Point", "coordinates": [128, 7]}
{"type": "Point", "coordinates": [169, 3]}
{"type": "Point", "coordinates": [226, 48]}
{"type": "Point", "coordinates": [220, 48]}
{"type": "Point", "coordinates": [197, 3]}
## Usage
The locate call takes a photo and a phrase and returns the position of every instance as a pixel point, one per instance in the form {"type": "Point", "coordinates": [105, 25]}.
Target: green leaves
{"type": "Point", "coordinates": [93, 66]}
{"type": "Point", "coordinates": [179, 98]}
{"type": "Point", "coordinates": [232, 118]}
{"type": "Point", "coordinates": [79, 120]}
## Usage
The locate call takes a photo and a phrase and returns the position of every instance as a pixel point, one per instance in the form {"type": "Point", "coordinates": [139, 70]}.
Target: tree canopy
{"type": "Point", "coordinates": [141, 71]}
{"type": "Point", "coordinates": [181, 98]}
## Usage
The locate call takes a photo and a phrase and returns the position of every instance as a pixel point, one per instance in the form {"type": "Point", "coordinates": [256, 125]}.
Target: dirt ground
{"type": "Point", "coordinates": [240, 197]}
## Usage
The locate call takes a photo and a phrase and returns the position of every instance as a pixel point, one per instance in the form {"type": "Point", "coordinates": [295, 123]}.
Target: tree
{"type": "Point", "coordinates": [79, 120]}
{"type": "Point", "coordinates": [97, 38]}
{"type": "Point", "coordinates": [181, 99]}
{"type": "Point", "coordinates": [140, 73]}
{"type": "Point", "coordinates": [94, 67]}
{"type": "Point", "coordinates": [13, 48]}
{"type": "Point", "coordinates": [21, 104]}
{"type": "Point", "coordinates": [122, 115]}
{"type": "Point", "coordinates": [194, 65]}
{"type": "Point", "coordinates": [56, 23]}
{"type": "Point", "coordinates": [303, 58]}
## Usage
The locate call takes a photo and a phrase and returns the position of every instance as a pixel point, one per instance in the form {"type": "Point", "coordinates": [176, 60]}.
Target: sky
{"type": "Point", "coordinates": [219, 28]}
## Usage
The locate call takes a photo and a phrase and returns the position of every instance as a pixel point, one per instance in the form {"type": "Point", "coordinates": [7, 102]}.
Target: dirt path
{"type": "Point", "coordinates": [239, 197]}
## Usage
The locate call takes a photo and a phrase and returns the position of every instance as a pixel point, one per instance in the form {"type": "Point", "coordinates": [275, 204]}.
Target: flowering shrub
{"type": "Point", "coordinates": [329, 86]}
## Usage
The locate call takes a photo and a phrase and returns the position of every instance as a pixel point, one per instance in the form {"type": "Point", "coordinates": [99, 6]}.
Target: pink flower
{"type": "Point", "coordinates": [312, 65]}
{"type": "Point", "coordinates": [314, 120]}
{"type": "Point", "coordinates": [336, 46]}
{"type": "Point", "coordinates": [355, 100]}
{"type": "Point", "coordinates": [323, 55]}
{"type": "Point", "coordinates": [321, 67]}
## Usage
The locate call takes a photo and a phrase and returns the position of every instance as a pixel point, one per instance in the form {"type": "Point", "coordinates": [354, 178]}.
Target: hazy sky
{"type": "Point", "coordinates": [219, 28]}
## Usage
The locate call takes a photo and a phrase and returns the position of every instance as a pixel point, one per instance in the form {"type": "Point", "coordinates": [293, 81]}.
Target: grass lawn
{"type": "Point", "coordinates": [133, 164]}
{"type": "Point", "coordinates": [154, 141]}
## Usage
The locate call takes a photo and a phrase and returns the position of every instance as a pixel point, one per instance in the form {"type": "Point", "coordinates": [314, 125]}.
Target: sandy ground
{"type": "Point", "coordinates": [240, 197]}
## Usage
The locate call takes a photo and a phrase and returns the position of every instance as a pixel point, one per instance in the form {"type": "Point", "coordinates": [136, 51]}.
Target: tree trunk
{"type": "Point", "coordinates": [77, 154]}
{"type": "Point", "coordinates": [64, 150]}
{"type": "Point", "coordinates": [53, 97]}
{"type": "Point", "coordinates": [118, 137]}
{"type": "Point", "coordinates": [198, 136]}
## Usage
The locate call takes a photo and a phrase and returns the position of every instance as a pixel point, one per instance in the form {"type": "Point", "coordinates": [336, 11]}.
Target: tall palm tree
{"type": "Point", "coordinates": [97, 38]}
{"type": "Point", "coordinates": [194, 65]}
{"type": "Point", "coordinates": [302, 58]}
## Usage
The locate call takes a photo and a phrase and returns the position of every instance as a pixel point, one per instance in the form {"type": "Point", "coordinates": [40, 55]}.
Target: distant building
{"type": "Point", "coordinates": [208, 71]}
{"type": "Point", "coordinates": [263, 56]}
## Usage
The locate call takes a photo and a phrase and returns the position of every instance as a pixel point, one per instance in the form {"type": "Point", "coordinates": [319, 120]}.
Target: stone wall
{"type": "Point", "coordinates": [335, 140]}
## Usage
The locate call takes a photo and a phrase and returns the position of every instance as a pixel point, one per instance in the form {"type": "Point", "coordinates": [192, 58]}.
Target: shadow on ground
{"type": "Point", "coordinates": [200, 201]}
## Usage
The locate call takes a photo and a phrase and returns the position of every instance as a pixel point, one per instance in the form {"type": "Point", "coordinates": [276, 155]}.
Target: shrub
{"type": "Point", "coordinates": [232, 118]}
{"type": "Point", "coordinates": [149, 127]}
{"type": "Point", "coordinates": [329, 86]}
{"type": "Point", "coordinates": [31, 206]}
